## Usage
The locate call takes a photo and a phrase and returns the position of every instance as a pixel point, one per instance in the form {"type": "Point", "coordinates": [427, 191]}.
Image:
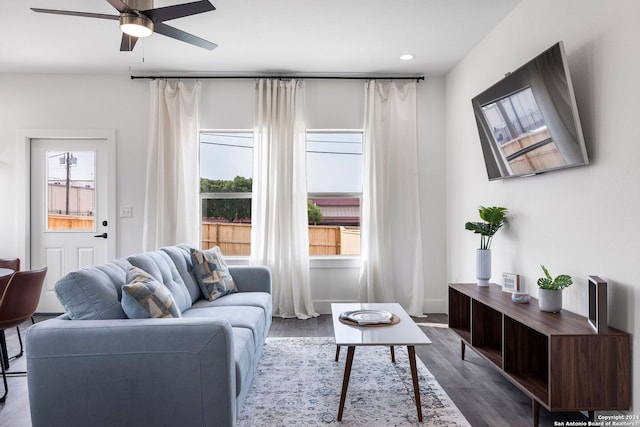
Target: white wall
{"type": "Point", "coordinates": [581, 221]}
{"type": "Point", "coordinates": [36, 101]}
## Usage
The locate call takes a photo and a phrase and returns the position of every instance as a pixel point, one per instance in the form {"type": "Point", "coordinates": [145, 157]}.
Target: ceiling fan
{"type": "Point", "coordinates": [139, 19]}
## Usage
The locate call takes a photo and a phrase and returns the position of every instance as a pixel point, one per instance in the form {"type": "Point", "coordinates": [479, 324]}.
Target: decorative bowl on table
{"type": "Point", "coordinates": [367, 317]}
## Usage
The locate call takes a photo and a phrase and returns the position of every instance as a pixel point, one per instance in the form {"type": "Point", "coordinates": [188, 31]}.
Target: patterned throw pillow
{"type": "Point", "coordinates": [212, 273]}
{"type": "Point", "coordinates": [144, 297]}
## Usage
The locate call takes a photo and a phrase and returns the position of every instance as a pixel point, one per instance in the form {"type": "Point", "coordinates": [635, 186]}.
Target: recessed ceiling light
{"type": "Point", "coordinates": [407, 56]}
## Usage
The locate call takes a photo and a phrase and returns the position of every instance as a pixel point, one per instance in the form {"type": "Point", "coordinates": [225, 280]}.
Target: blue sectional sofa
{"type": "Point", "coordinates": [93, 366]}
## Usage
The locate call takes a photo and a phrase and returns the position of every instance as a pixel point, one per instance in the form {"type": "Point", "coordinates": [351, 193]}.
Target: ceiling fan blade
{"type": "Point", "coordinates": [73, 13]}
{"type": "Point", "coordinates": [177, 34]}
{"type": "Point", "coordinates": [120, 6]}
{"type": "Point", "coordinates": [161, 14]}
{"type": "Point", "coordinates": [127, 43]}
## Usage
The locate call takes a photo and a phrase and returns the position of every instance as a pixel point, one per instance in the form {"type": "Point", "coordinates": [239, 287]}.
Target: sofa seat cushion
{"type": "Point", "coordinates": [248, 317]}
{"type": "Point", "coordinates": [252, 299]}
{"type": "Point", "coordinates": [244, 353]}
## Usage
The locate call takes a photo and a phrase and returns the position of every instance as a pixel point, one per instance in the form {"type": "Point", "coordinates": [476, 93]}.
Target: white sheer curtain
{"type": "Point", "coordinates": [172, 183]}
{"type": "Point", "coordinates": [391, 246]}
{"type": "Point", "coordinates": [279, 232]}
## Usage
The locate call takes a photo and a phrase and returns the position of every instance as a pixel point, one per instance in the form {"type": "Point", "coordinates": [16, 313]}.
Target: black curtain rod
{"type": "Point", "coordinates": [417, 78]}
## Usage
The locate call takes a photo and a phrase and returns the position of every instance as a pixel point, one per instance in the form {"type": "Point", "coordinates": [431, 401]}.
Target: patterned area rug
{"type": "Point", "coordinates": [298, 383]}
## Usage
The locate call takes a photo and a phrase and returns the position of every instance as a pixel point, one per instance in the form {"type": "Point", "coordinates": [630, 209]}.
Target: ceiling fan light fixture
{"type": "Point", "coordinates": [136, 26]}
{"type": "Point", "coordinates": [138, 18]}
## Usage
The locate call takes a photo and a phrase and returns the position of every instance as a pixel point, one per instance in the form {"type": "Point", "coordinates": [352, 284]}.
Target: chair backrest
{"type": "Point", "coordinates": [20, 298]}
{"type": "Point", "coordinates": [11, 263]}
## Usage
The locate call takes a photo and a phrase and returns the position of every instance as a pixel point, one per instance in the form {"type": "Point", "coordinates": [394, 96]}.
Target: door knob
{"type": "Point", "coordinates": [103, 235]}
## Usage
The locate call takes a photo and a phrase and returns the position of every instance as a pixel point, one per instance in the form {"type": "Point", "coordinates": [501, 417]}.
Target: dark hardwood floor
{"type": "Point", "coordinates": [482, 394]}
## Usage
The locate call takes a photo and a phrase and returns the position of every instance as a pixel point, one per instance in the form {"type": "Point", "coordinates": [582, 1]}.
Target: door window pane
{"type": "Point", "coordinates": [71, 198]}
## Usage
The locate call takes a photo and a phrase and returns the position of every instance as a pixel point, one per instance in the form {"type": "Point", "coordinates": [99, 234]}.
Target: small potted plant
{"type": "Point", "coordinates": [493, 218]}
{"type": "Point", "coordinates": [550, 290]}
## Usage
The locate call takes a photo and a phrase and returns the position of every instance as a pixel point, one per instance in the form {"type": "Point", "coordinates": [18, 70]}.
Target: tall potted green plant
{"type": "Point", "coordinates": [493, 218]}
{"type": "Point", "coordinates": [550, 290]}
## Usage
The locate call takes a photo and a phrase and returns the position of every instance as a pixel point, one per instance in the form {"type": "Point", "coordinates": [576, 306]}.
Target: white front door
{"type": "Point", "coordinates": [70, 224]}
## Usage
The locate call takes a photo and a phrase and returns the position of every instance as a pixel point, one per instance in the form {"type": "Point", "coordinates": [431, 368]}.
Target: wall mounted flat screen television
{"type": "Point", "coordinates": [528, 121]}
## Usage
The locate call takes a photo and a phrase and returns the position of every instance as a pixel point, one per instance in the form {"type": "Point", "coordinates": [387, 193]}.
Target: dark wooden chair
{"type": "Point", "coordinates": [18, 302]}
{"type": "Point", "coordinates": [10, 263]}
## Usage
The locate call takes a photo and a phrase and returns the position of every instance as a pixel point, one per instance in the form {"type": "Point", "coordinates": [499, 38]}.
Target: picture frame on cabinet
{"type": "Point", "coordinates": [597, 304]}
{"type": "Point", "coordinates": [511, 282]}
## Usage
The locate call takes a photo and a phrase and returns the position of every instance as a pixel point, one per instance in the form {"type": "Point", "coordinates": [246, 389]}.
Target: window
{"type": "Point", "coordinates": [334, 183]}
{"type": "Point", "coordinates": [226, 165]}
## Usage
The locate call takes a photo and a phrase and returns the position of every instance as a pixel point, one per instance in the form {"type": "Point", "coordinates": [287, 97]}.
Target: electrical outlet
{"type": "Point", "coordinates": [126, 211]}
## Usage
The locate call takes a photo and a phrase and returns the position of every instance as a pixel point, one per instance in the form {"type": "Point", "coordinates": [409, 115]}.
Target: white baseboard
{"type": "Point", "coordinates": [435, 306]}
{"type": "Point", "coordinates": [324, 306]}
{"type": "Point", "coordinates": [428, 305]}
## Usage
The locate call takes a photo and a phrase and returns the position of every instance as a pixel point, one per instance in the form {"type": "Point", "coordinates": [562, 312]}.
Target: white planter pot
{"type": "Point", "coordinates": [483, 267]}
{"type": "Point", "coordinates": [550, 300]}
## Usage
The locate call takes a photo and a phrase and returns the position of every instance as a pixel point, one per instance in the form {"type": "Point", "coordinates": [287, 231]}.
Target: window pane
{"type": "Point", "coordinates": [227, 210]}
{"type": "Point", "coordinates": [337, 232]}
{"type": "Point", "coordinates": [234, 239]}
{"type": "Point", "coordinates": [334, 167]}
{"type": "Point", "coordinates": [225, 187]}
{"type": "Point", "coordinates": [334, 162]}
{"type": "Point", "coordinates": [225, 155]}
{"type": "Point", "coordinates": [71, 190]}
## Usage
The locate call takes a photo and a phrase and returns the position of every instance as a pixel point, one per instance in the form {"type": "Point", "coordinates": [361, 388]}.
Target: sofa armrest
{"type": "Point", "coordinates": [131, 372]}
{"type": "Point", "coordinates": [251, 278]}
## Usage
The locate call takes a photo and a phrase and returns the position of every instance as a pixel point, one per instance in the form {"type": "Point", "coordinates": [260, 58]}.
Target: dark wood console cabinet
{"type": "Point", "coordinates": [557, 359]}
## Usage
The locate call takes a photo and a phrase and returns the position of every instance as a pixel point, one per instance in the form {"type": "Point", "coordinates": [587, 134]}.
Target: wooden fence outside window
{"type": "Point", "coordinates": [235, 239]}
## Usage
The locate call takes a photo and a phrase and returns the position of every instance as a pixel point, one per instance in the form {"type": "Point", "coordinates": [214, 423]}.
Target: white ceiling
{"type": "Point", "coordinates": [254, 36]}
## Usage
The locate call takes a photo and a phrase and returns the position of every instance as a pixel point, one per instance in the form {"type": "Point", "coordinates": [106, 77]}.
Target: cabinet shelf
{"type": "Point", "coordinates": [531, 383]}
{"type": "Point", "coordinates": [491, 354]}
{"type": "Point", "coordinates": [557, 359]}
{"type": "Point", "coordinates": [462, 333]}
{"type": "Point", "coordinates": [461, 320]}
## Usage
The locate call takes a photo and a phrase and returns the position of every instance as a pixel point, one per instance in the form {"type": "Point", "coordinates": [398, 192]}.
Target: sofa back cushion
{"type": "Point", "coordinates": [181, 257]}
{"type": "Point", "coordinates": [95, 292]}
{"type": "Point", "coordinates": [160, 266]}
